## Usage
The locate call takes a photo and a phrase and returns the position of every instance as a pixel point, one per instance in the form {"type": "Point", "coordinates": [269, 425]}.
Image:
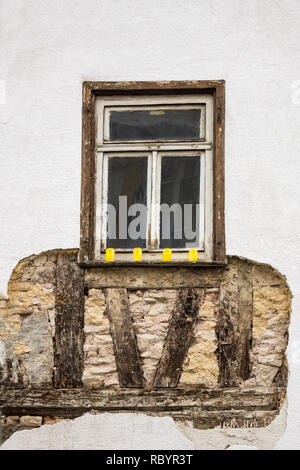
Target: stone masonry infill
{"type": "Point", "coordinates": [270, 326]}
{"type": "Point", "coordinates": [201, 363]}
{"type": "Point", "coordinates": [99, 361]}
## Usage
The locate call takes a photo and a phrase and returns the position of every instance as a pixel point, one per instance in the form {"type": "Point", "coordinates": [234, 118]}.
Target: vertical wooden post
{"type": "Point", "coordinates": [69, 323]}
{"type": "Point", "coordinates": [234, 328]}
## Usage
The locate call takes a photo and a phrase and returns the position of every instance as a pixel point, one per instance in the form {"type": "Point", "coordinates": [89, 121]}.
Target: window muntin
{"type": "Point", "coordinates": [155, 150]}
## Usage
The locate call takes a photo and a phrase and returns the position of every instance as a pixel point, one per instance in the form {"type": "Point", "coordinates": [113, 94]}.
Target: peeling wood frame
{"type": "Point", "coordinates": [69, 323]}
{"type": "Point", "coordinates": [234, 328]}
{"type": "Point", "coordinates": [93, 89]}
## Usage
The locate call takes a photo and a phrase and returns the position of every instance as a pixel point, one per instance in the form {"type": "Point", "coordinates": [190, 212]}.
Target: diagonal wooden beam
{"type": "Point", "coordinates": [125, 346]}
{"type": "Point", "coordinates": [178, 338]}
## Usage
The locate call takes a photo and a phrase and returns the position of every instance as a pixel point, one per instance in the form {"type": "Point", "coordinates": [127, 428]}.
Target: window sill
{"type": "Point", "coordinates": [162, 264]}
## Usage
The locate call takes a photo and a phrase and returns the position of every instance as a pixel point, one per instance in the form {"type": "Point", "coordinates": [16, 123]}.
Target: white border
{"type": "Point", "coordinates": [154, 150]}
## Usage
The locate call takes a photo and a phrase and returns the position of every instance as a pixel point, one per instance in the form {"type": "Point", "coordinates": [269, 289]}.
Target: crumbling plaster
{"type": "Point", "coordinates": [130, 431]}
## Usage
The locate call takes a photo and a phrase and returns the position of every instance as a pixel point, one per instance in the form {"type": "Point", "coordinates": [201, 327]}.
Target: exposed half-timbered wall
{"type": "Point", "coordinates": [144, 338]}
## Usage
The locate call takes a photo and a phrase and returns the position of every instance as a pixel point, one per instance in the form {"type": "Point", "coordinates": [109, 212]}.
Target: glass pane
{"type": "Point", "coordinates": [158, 124]}
{"type": "Point", "coordinates": [179, 216]}
{"type": "Point", "coordinates": [127, 185]}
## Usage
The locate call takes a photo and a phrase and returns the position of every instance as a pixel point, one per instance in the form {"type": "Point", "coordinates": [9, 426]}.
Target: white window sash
{"type": "Point", "coordinates": [104, 105]}
{"type": "Point", "coordinates": [201, 201]}
{"type": "Point", "coordinates": [154, 151]}
{"type": "Point", "coordinates": [101, 202]}
{"type": "Point", "coordinates": [153, 198]}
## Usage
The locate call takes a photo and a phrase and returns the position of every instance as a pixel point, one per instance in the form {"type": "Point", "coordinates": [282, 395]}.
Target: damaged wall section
{"type": "Point", "coordinates": [202, 344]}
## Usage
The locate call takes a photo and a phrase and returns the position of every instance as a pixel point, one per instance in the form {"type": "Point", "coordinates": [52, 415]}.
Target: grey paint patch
{"type": "Point", "coordinates": [36, 335]}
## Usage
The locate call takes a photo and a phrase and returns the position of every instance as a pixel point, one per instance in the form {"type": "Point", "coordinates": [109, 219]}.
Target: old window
{"type": "Point", "coordinates": [152, 170]}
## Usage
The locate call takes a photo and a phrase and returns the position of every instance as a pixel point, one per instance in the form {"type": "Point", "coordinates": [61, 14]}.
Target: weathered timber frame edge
{"type": "Point", "coordinates": [89, 92]}
{"type": "Point", "coordinates": [206, 408]}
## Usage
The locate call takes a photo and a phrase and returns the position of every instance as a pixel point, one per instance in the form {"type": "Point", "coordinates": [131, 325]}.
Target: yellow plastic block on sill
{"type": "Point", "coordinates": [110, 254]}
{"type": "Point", "coordinates": [167, 254]}
{"type": "Point", "coordinates": [137, 254]}
{"type": "Point", "coordinates": [193, 254]}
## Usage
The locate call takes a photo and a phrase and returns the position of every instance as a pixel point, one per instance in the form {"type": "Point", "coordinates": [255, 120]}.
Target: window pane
{"type": "Point", "coordinates": [179, 218]}
{"type": "Point", "coordinates": [155, 124]}
{"type": "Point", "coordinates": [127, 177]}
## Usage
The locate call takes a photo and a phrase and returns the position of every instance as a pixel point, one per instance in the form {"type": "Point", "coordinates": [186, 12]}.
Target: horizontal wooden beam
{"type": "Point", "coordinates": [150, 277]}
{"type": "Point", "coordinates": [72, 402]}
{"type": "Point", "coordinates": [100, 87]}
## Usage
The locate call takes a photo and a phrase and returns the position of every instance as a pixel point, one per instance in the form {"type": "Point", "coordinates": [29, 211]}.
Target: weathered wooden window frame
{"type": "Point", "coordinates": [89, 161]}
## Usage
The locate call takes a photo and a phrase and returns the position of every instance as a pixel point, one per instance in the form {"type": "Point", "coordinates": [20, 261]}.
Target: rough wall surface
{"type": "Point", "coordinates": [211, 354]}
{"type": "Point", "coordinates": [27, 323]}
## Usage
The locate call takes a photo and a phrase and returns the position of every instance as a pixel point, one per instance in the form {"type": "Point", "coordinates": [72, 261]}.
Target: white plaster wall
{"type": "Point", "coordinates": [48, 47]}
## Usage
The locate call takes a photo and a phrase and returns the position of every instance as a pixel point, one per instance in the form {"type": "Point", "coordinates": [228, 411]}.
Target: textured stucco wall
{"type": "Point", "coordinates": [50, 47]}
